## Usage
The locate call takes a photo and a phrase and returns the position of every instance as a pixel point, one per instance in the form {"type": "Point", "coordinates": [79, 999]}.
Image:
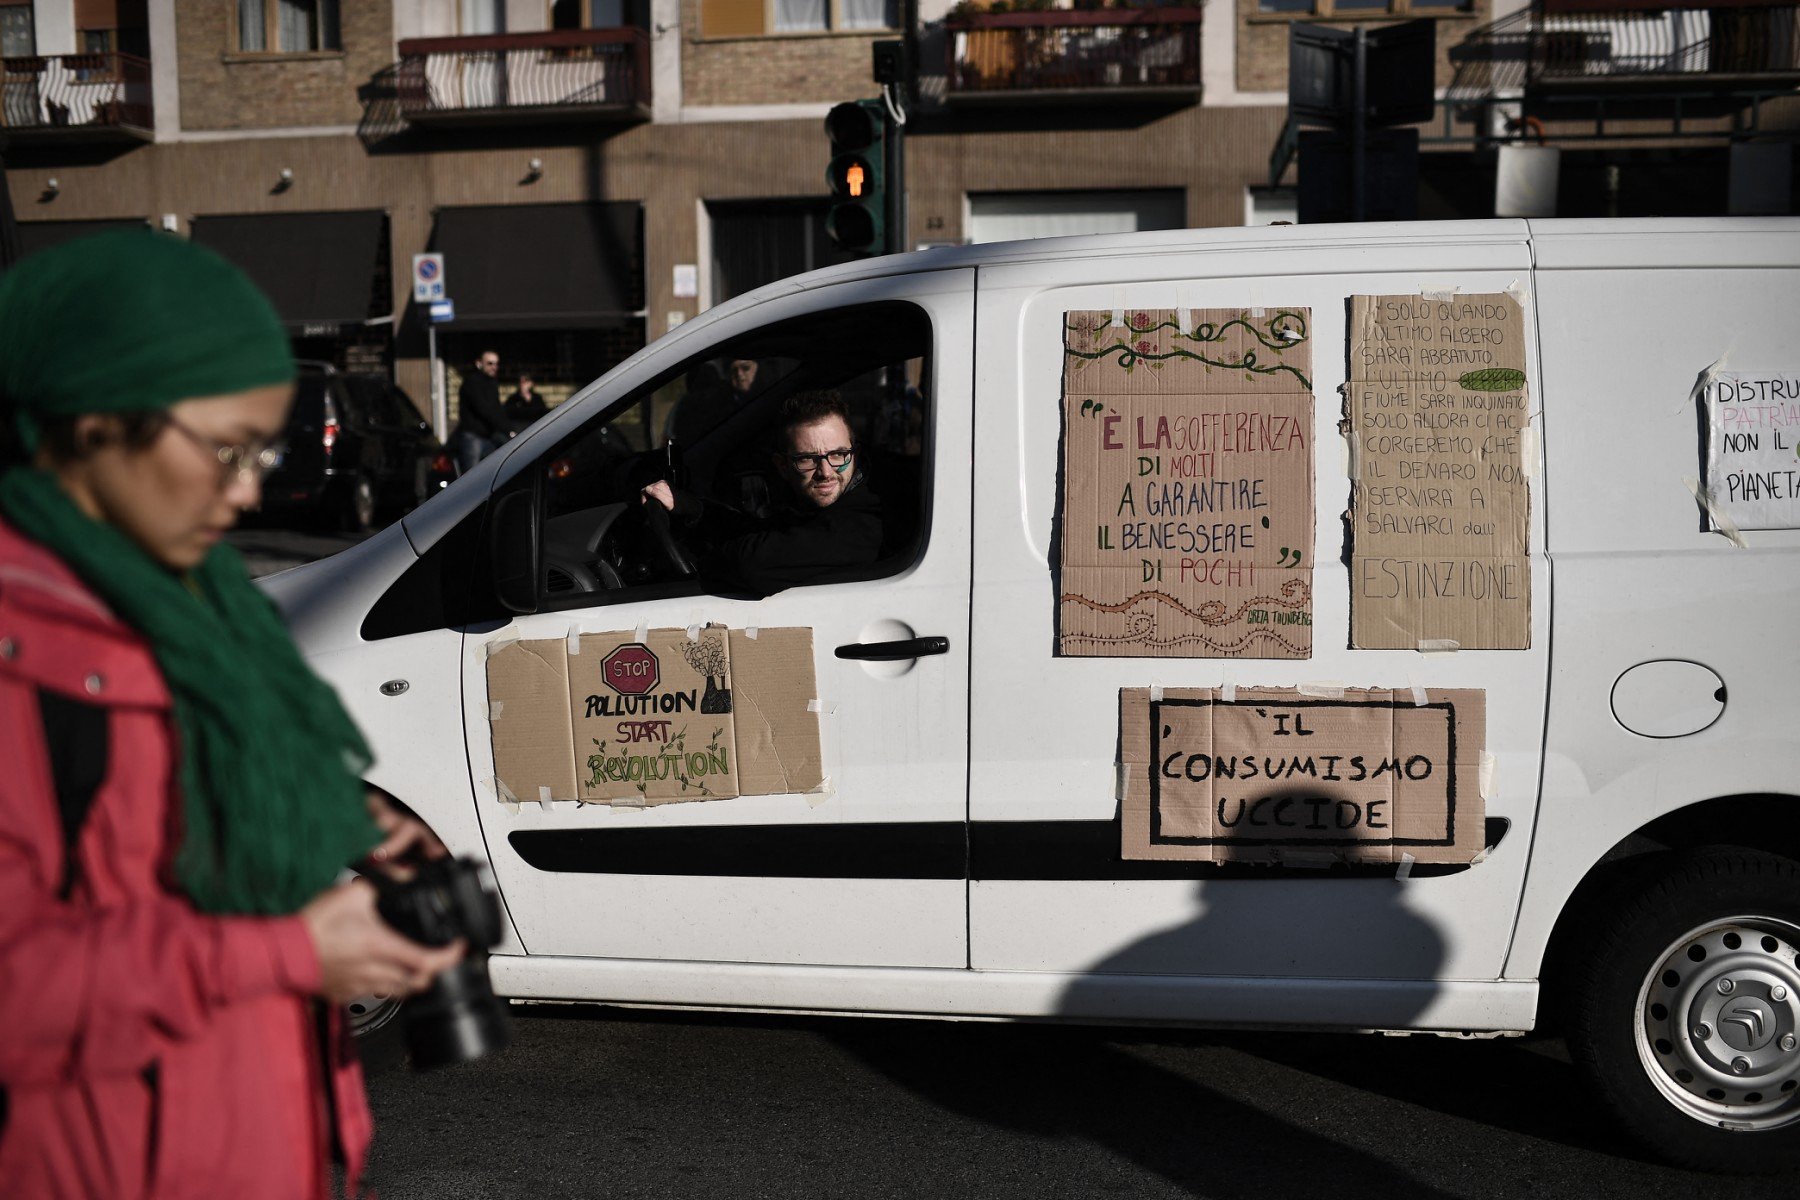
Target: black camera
{"type": "Point", "coordinates": [458, 1018]}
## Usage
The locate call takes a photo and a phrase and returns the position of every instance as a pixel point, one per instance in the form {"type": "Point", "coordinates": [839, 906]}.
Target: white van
{"type": "Point", "coordinates": [1638, 882]}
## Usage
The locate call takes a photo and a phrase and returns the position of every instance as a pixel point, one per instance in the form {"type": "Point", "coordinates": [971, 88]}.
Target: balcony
{"type": "Point", "coordinates": [76, 97]}
{"type": "Point", "coordinates": [1081, 56]}
{"type": "Point", "coordinates": [566, 75]}
{"type": "Point", "coordinates": [1591, 49]}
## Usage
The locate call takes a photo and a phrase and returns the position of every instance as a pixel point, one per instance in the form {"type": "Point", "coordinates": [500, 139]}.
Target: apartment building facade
{"type": "Point", "coordinates": [598, 171]}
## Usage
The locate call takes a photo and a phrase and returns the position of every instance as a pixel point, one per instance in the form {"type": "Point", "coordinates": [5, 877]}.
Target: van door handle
{"type": "Point", "coordinates": [893, 651]}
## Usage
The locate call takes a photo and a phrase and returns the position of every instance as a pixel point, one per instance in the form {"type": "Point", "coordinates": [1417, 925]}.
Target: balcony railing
{"type": "Point", "coordinates": [1079, 54]}
{"type": "Point", "coordinates": [565, 74]}
{"type": "Point", "coordinates": [1677, 48]}
{"type": "Point", "coordinates": [76, 95]}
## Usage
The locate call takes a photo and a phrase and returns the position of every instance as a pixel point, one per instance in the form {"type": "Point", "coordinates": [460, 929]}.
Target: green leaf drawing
{"type": "Point", "coordinates": [1493, 379]}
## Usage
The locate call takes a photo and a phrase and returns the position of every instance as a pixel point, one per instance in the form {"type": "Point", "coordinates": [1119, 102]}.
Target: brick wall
{"type": "Point", "coordinates": [1262, 40]}
{"type": "Point", "coordinates": [784, 69]}
{"type": "Point", "coordinates": [221, 89]}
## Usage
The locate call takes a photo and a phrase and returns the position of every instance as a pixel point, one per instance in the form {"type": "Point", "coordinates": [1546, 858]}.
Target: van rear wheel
{"type": "Point", "coordinates": [1685, 1015]}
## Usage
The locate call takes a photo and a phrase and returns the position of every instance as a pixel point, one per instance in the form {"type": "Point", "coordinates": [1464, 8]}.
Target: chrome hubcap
{"type": "Point", "coordinates": [1718, 1023]}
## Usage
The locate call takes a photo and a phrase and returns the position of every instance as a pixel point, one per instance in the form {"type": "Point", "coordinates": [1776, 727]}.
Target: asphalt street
{"type": "Point", "coordinates": [592, 1102]}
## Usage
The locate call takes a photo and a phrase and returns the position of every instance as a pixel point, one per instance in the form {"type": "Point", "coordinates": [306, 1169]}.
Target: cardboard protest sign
{"type": "Point", "coordinates": [1436, 412]}
{"type": "Point", "coordinates": [1272, 775]}
{"type": "Point", "coordinates": [653, 718]}
{"type": "Point", "coordinates": [1186, 505]}
{"type": "Point", "coordinates": [777, 727]}
{"type": "Point", "coordinates": [667, 718]}
{"type": "Point", "coordinates": [1753, 448]}
{"type": "Point", "coordinates": [528, 707]}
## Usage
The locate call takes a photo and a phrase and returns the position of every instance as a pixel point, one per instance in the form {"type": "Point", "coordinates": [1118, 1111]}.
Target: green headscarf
{"type": "Point", "coordinates": [270, 764]}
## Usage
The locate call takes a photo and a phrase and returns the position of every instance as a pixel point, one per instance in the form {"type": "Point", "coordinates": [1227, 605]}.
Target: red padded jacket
{"type": "Point", "coordinates": [147, 1051]}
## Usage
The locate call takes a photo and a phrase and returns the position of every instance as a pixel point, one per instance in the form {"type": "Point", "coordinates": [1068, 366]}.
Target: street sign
{"type": "Point", "coordinates": [631, 669]}
{"type": "Point", "coordinates": [428, 278]}
{"type": "Point", "coordinates": [443, 311]}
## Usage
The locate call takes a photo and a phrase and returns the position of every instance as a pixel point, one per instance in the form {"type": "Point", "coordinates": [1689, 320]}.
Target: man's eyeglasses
{"type": "Point", "coordinates": [807, 464]}
{"type": "Point", "coordinates": [236, 459]}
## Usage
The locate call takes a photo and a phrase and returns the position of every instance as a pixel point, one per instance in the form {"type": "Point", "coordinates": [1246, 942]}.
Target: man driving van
{"type": "Point", "coordinates": [825, 516]}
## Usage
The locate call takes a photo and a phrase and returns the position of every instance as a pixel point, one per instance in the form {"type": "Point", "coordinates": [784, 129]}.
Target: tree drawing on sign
{"type": "Point", "coordinates": [706, 656]}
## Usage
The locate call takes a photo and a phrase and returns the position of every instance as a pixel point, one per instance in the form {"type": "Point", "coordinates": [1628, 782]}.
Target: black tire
{"type": "Point", "coordinates": [1684, 1010]}
{"type": "Point", "coordinates": [379, 1030]}
{"type": "Point", "coordinates": [359, 504]}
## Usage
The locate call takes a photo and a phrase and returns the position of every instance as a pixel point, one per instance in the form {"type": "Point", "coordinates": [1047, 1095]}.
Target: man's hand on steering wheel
{"type": "Point", "coordinates": [658, 502]}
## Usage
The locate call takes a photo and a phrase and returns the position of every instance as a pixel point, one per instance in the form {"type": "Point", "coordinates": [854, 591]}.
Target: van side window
{"type": "Point", "coordinates": [712, 428]}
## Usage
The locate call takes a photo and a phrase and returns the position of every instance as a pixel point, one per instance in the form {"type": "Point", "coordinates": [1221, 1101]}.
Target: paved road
{"type": "Point", "coordinates": [593, 1102]}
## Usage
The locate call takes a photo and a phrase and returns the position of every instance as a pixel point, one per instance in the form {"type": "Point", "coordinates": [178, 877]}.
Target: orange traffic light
{"type": "Point", "coordinates": [853, 179]}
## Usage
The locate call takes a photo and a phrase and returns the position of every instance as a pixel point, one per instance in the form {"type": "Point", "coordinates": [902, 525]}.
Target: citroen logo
{"type": "Point", "coordinates": [1747, 1024]}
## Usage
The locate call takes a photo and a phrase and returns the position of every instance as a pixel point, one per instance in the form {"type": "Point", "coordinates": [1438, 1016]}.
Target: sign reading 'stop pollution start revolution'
{"type": "Point", "coordinates": [1187, 489]}
{"type": "Point", "coordinates": [1437, 415]}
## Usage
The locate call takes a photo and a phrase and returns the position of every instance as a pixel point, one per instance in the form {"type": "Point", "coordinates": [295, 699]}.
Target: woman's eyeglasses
{"type": "Point", "coordinates": [238, 459]}
{"type": "Point", "coordinates": [807, 464]}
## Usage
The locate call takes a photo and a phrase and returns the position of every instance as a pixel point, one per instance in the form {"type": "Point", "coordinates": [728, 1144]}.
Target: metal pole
{"type": "Point", "coordinates": [440, 407]}
{"type": "Point", "coordinates": [1359, 134]}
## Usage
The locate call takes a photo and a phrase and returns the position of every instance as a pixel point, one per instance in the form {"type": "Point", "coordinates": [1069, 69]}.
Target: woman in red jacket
{"type": "Point", "coordinates": [179, 791]}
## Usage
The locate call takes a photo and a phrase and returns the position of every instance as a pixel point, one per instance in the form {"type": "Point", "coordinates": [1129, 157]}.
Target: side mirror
{"type": "Point", "coordinates": [514, 551]}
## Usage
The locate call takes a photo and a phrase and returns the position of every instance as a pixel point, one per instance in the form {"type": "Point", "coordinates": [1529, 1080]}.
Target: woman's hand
{"type": "Point", "coordinates": [403, 836]}
{"type": "Point", "coordinates": [659, 492]}
{"type": "Point", "coordinates": [360, 956]}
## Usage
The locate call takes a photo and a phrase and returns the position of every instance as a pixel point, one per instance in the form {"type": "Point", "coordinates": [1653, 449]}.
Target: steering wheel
{"type": "Point", "coordinates": [663, 540]}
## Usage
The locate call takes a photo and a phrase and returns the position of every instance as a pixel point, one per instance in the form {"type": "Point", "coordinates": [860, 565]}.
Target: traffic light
{"type": "Point", "coordinates": [857, 176]}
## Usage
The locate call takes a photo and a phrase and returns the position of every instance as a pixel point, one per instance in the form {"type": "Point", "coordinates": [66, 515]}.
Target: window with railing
{"type": "Point", "coordinates": [287, 26]}
{"type": "Point", "coordinates": [1348, 10]}
{"type": "Point", "coordinates": [757, 18]}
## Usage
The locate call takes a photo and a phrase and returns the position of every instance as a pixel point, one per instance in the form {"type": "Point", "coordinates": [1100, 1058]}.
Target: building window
{"type": "Point", "coordinates": [18, 34]}
{"type": "Point", "coordinates": [1349, 9]}
{"type": "Point", "coordinates": [754, 18]}
{"type": "Point", "coordinates": [113, 27]}
{"type": "Point", "coordinates": [593, 14]}
{"type": "Point", "coordinates": [288, 26]}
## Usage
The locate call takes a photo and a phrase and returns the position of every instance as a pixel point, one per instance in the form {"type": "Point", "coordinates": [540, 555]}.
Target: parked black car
{"type": "Point", "coordinates": [356, 447]}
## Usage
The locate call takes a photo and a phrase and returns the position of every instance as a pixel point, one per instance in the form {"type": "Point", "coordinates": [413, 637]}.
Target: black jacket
{"type": "Point", "coordinates": [794, 543]}
{"type": "Point", "coordinates": [480, 411]}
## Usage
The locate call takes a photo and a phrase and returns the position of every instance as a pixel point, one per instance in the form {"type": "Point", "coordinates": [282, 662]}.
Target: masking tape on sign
{"type": "Point", "coordinates": [1406, 866]}
{"type": "Point", "coordinates": [1118, 316]}
{"type": "Point", "coordinates": [509, 638]}
{"type": "Point", "coordinates": [693, 632]}
{"type": "Point", "coordinates": [1439, 294]}
{"type": "Point", "coordinates": [826, 708]}
{"type": "Point", "coordinates": [495, 708]}
{"type": "Point", "coordinates": [1156, 693]}
{"type": "Point", "coordinates": [1439, 645]}
{"type": "Point", "coordinates": [1184, 317]}
{"type": "Point", "coordinates": [1516, 289]}
{"type": "Point", "coordinates": [1722, 524]}
{"type": "Point", "coordinates": [544, 798]}
{"type": "Point", "coordinates": [1323, 689]}
{"type": "Point", "coordinates": [504, 794]}
{"type": "Point", "coordinates": [1119, 773]}
{"type": "Point", "coordinates": [1418, 694]}
{"type": "Point", "coordinates": [575, 639]}
{"type": "Point", "coordinates": [1488, 766]}
{"type": "Point", "coordinates": [1707, 374]}
{"type": "Point", "coordinates": [643, 632]}
{"type": "Point", "coordinates": [1528, 454]}
{"type": "Point", "coordinates": [1228, 692]}
{"type": "Point", "coordinates": [822, 793]}
{"type": "Point", "coordinates": [750, 631]}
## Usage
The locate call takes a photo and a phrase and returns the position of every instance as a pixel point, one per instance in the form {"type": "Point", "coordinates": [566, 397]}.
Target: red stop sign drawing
{"type": "Point", "coordinates": [630, 669]}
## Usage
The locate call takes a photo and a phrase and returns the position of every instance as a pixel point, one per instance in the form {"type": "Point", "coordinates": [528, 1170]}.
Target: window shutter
{"type": "Point", "coordinates": [731, 18]}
